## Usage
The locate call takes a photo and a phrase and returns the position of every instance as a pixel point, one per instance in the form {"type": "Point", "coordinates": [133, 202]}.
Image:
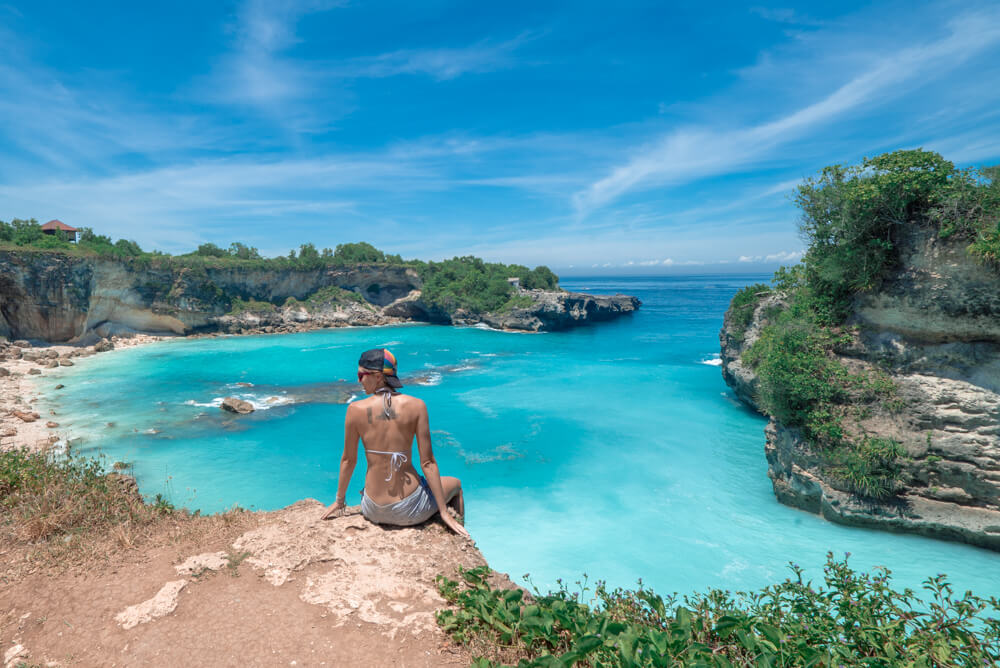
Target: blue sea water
{"type": "Point", "coordinates": [614, 450]}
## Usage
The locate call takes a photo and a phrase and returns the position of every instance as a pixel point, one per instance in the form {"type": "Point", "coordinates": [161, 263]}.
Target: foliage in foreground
{"type": "Point", "coordinates": [43, 496]}
{"type": "Point", "coordinates": [856, 619]}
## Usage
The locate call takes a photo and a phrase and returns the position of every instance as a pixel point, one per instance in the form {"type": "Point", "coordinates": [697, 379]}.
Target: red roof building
{"type": "Point", "coordinates": [53, 225]}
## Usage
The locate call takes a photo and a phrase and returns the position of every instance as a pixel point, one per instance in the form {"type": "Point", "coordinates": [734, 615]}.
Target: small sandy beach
{"type": "Point", "coordinates": [22, 424]}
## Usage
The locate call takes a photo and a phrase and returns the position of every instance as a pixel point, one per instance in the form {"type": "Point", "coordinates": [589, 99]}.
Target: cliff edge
{"type": "Point", "coordinates": [276, 588]}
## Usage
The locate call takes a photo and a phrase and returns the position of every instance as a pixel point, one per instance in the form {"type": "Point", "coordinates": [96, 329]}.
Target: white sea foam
{"type": "Point", "coordinates": [213, 403]}
{"type": "Point", "coordinates": [259, 403]}
{"type": "Point", "coordinates": [712, 360]}
{"type": "Point", "coordinates": [353, 397]}
{"type": "Point", "coordinates": [433, 378]}
{"type": "Point", "coordinates": [464, 367]}
{"type": "Point", "coordinates": [391, 343]}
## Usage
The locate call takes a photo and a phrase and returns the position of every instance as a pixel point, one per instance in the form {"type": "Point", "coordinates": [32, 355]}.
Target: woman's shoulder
{"type": "Point", "coordinates": [408, 400]}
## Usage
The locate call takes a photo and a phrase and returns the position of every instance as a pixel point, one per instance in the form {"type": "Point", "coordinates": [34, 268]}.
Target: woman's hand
{"type": "Point", "coordinates": [336, 510]}
{"type": "Point", "coordinates": [453, 524]}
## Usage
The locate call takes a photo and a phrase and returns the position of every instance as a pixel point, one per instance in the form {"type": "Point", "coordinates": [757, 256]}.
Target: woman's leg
{"type": "Point", "coordinates": [453, 494]}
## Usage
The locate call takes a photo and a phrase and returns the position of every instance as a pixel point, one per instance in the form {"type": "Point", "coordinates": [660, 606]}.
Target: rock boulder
{"type": "Point", "coordinates": [236, 405]}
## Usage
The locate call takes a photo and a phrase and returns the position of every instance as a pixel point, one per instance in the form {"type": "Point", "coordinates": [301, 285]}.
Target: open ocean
{"type": "Point", "coordinates": [614, 450]}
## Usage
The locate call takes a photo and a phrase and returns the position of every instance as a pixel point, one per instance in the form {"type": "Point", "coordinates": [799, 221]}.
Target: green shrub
{"type": "Point", "coordinates": [969, 204]}
{"type": "Point", "coordinates": [250, 306]}
{"type": "Point", "coordinates": [478, 286]}
{"type": "Point", "coordinates": [331, 295]}
{"type": "Point", "coordinates": [871, 468]}
{"type": "Point", "coordinates": [857, 619]}
{"type": "Point", "coordinates": [986, 247]}
{"type": "Point", "coordinates": [797, 376]}
{"type": "Point", "coordinates": [516, 302]}
{"type": "Point", "coordinates": [744, 303]}
{"type": "Point", "coordinates": [852, 217]}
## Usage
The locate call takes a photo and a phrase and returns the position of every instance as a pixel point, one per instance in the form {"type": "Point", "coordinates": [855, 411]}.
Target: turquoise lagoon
{"type": "Point", "coordinates": [614, 450]}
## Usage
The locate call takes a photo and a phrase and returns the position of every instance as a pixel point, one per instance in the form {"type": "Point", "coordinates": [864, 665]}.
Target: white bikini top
{"type": "Point", "coordinates": [398, 458]}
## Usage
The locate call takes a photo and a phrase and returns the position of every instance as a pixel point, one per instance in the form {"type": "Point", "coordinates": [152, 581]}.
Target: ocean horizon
{"type": "Point", "coordinates": [614, 449]}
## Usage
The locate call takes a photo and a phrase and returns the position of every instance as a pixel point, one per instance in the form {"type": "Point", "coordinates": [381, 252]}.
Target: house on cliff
{"type": "Point", "coordinates": [53, 226]}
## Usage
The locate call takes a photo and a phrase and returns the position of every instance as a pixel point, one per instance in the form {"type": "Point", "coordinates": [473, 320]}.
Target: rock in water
{"type": "Point", "coordinates": [103, 346]}
{"type": "Point", "coordinates": [234, 405]}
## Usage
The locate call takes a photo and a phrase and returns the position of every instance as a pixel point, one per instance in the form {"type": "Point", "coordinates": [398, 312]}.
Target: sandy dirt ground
{"type": "Point", "coordinates": [292, 590]}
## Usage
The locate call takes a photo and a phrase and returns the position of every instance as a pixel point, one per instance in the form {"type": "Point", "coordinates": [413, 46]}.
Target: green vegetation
{"type": "Point", "coordinates": [250, 306]}
{"type": "Point", "coordinates": [517, 301]}
{"type": "Point", "coordinates": [328, 296]}
{"type": "Point", "coordinates": [857, 619]}
{"type": "Point", "coordinates": [743, 305]}
{"type": "Point", "coordinates": [44, 496]}
{"type": "Point", "coordinates": [852, 218]}
{"type": "Point", "coordinates": [470, 283]}
{"type": "Point", "coordinates": [461, 282]}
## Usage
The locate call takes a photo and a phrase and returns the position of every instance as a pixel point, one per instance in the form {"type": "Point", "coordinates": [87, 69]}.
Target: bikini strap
{"type": "Point", "coordinates": [396, 463]}
{"type": "Point", "coordinates": [386, 400]}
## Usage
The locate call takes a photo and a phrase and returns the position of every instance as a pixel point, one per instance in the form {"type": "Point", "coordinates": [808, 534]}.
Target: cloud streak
{"type": "Point", "coordinates": [693, 153]}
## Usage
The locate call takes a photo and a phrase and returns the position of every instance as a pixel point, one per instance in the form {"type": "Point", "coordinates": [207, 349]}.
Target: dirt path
{"type": "Point", "coordinates": [293, 591]}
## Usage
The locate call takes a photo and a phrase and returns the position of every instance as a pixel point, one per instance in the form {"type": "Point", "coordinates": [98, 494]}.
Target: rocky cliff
{"type": "Point", "coordinates": [59, 298]}
{"type": "Point", "coordinates": [934, 326]}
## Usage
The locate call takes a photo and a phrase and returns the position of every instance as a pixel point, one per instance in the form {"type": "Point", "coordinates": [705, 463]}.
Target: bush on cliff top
{"type": "Point", "coordinates": [857, 619]}
{"type": "Point", "coordinates": [470, 283]}
{"type": "Point", "coordinates": [852, 217]}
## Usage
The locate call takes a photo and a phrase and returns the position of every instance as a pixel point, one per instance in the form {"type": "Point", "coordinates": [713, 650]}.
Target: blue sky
{"type": "Point", "coordinates": [593, 137]}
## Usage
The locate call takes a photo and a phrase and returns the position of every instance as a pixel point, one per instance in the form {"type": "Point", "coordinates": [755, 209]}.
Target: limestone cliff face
{"type": "Point", "coordinates": [934, 326]}
{"type": "Point", "coordinates": [60, 298]}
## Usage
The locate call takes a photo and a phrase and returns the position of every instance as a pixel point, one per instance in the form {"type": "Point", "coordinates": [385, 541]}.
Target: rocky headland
{"type": "Point", "coordinates": [54, 297]}
{"type": "Point", "coordinates": [934, 327]}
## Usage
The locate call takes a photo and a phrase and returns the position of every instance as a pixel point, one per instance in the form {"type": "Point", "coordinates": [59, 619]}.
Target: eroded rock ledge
{"type": "Point", "coordinates": [59, 298]}
{"type": "Point", "coordinates": [934, 326]}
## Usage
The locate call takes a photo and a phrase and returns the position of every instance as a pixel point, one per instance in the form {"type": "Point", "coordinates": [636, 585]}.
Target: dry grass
{"type": "Point", "coordinates": [65, 512]}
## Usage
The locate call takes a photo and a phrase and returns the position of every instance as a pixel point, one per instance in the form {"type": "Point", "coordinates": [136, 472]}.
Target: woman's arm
{"type": "Point", "coordinates": [430, 468]}
{"type": "Point", "coordinates": [347, 463]}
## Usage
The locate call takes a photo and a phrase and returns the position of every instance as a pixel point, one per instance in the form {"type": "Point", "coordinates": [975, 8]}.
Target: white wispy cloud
{"type": "Point", "coordinates": [438, 63]}
{"type": "Point", "coordinates": [697, 152]}
{"type": "Point", "coordinates": [786, 15]}
{"type": "Point", "coordinates": [257, 70]}
{"type": "Point", "coordinates": [780, 256]}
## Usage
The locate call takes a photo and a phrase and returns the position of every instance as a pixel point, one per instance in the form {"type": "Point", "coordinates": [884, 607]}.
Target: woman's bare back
{"type": "Point", "coordinates": [388, 431]}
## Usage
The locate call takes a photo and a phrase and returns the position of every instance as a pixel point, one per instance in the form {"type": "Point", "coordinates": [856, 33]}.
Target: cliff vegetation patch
{"type": "Point", "coordinates": [853, 619]}
{"type": "Point", "coordinates": [853, 218]}
{"type": "Point", "coordinates": [466, 282]}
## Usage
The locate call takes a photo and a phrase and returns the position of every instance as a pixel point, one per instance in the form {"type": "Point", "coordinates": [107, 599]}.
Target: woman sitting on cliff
{"type": "Point", "coordinates": [386, 423]}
